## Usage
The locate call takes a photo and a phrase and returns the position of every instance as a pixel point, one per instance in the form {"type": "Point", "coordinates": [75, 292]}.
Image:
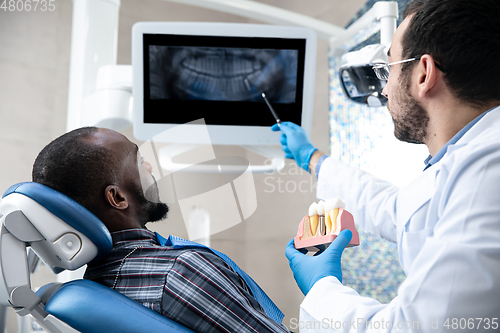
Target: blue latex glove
{"type": "Point", "coordinates": [307, 270]}
{"type": "Point", "coordinates": [295, 143]}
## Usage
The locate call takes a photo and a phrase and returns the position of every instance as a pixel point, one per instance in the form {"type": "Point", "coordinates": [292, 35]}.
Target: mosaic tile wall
{"type": "Point", "coordinates": [372, 269]}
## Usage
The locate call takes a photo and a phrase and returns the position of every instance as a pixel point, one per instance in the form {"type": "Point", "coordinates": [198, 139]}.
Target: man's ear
{"type": "Point", "coordinates": [115, 197]}
{"type": "Point", "coordinates": [427, 75]}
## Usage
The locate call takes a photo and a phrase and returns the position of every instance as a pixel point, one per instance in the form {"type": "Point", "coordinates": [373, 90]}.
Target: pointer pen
{"type": "Point", "coordinates": [275, 115]}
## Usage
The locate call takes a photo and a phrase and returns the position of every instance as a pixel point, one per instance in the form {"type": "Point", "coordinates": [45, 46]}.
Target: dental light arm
{"type": "Point", "coordinates": [384, 12]}
{"type": "Point", "coordinates": [266, 13]}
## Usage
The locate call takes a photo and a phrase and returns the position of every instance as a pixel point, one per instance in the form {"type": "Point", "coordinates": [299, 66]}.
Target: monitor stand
{"type": "Point", "coordinates": [168, 153]}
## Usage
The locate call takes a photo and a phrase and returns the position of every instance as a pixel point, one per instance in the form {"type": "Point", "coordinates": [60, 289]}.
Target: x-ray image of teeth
{"type": "Point", "coordinates": [222, 74]}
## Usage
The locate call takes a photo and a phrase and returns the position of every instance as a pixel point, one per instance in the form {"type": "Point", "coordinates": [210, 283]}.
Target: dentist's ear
{"type": "Point", "coordinates": [115, 197]}
{"type": "Point", "coordinates": [427, 75]}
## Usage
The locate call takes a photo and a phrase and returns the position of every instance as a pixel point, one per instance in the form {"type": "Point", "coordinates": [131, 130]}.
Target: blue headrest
{"type": "Point", "coordinates": [70, 211]}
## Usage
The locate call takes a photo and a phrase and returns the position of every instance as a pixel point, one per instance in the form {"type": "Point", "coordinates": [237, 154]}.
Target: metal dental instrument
{"type": "Point", "coordinates": [322, 226]}
{"type": "Point", "coordinates": [275, 115]}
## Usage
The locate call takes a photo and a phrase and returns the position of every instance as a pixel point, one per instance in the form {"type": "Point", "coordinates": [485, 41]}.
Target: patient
{"type": "Point", "coordinates": [102, 170]}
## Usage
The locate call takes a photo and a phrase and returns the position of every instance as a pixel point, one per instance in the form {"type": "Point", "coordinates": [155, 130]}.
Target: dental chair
{"type": "Point", "coordinates": [65, 236]}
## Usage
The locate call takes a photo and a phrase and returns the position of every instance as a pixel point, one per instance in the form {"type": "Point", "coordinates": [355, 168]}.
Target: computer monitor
{"type": "Point", "coordinates": [184, 71]}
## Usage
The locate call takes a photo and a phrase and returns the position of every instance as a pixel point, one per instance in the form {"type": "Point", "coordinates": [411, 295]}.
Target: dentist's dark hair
{"type": "Point", "coordinates": [74, 166]}
{"type": "Point", "coordinates": [463, 36]}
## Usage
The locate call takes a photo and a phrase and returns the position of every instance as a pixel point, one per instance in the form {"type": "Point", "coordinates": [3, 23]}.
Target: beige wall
{"type": "Point", "coordinates": [34, 69]}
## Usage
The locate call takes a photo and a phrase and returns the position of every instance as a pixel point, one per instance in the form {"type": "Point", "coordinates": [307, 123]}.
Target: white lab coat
{"type": "Point", "coordinates": [447, 227]}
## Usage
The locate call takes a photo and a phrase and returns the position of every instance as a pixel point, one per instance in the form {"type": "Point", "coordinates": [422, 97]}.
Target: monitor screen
{"type": "Point", "coordinates": [217, 72]}
{"type": "Point", "coordinates": [221, 79]}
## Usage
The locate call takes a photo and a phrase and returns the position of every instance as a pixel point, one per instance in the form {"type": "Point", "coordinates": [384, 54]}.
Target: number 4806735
{"type": "Point", "coordinates": [28, 5]}
{"type": "Point", "coordinates": [471, 323]}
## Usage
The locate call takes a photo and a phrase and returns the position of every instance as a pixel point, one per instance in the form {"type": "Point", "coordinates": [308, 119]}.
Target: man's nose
{"type": "Point", "coordinates": [384, 92]}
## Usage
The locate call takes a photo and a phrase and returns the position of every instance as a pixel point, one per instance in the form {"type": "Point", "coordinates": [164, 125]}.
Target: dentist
{"type": "Point", "coordinates": [443, 91]}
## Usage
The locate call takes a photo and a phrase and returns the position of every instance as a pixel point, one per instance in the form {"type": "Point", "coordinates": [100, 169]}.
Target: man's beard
{"type": "Point", "coordinates": [411, 124]}
{"type": "Point", "coordinates": [153, 211]}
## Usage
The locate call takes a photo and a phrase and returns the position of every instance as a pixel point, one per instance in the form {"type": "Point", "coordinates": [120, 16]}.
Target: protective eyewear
{"type": "Point", "coordinates": [382, 70]}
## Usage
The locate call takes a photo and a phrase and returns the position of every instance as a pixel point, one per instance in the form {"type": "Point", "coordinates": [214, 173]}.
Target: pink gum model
{"type": "Point", "coordinates": [322, 242]}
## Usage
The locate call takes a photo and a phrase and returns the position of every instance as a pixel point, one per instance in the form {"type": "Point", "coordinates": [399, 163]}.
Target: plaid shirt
{"type": "Point", "coordinates": [193, 287]}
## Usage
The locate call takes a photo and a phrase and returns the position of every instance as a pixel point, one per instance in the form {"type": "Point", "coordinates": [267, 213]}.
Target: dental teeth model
{"type": "Point", "coordinates": [313, 217]}
{"type": "Point", "coordinates": [324, 222]}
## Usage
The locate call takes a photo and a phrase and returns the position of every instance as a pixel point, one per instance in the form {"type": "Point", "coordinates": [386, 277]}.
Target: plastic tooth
{"type": "Point", "coordinates": [331, 211]}
{"type": "Point", "coordinates": [313, 216]}
{"type": "Point", "coordinates": [332, 216]}
{"type": "Point", "coordinates": [328, 223]}
{"type": "Point", "coordinates": [314, 223]}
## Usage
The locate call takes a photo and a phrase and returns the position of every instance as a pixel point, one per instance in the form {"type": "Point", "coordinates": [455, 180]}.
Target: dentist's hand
{"type": "Point", "coordinates": [295, 143]}
{"type": "Point", "coordinates": [307, 270]}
